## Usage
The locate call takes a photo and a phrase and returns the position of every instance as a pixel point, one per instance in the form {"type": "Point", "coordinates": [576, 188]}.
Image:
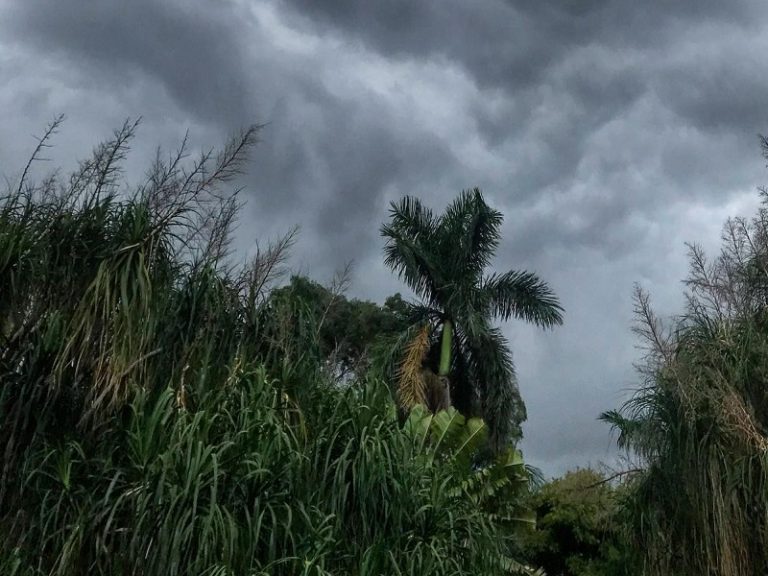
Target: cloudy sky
{"type": "Point", "coordinates": [609, 132]}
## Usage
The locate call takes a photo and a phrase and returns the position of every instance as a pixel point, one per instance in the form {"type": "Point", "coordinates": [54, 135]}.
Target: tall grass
{"type": "Point", "coordinates": [700, 420]}
{"type": "Point", "coordinates": [160, 414]}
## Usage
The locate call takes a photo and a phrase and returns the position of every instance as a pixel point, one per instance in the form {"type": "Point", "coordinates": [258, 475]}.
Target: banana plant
{"type": "Point", "coordinates": [495, 485]}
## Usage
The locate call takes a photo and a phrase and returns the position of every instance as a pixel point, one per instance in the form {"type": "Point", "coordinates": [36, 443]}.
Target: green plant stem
{"type": "Point", "coordinates": [445, 349]}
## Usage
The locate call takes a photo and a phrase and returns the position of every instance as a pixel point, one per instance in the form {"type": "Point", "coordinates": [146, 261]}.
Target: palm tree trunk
{"type": "Point", "coordinates": [445, 349]}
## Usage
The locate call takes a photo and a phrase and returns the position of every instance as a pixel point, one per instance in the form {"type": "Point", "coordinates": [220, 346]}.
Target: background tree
{"type": "Point", "coordinates": [348, 331]}
{"type": "Point", "coordinates": [443, 259]}
{"type": "Point", "coordinates": [579, 528]}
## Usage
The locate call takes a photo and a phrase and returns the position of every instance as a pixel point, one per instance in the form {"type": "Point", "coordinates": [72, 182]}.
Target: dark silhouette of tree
{"type": "Point", "coordinates": [443, 259]}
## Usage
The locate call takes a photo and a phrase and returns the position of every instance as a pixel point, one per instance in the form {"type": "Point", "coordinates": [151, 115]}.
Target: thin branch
{"type": "Point", "coordinates": [606, 480]}
{"type": "Point", "coordinates": [42, 143]}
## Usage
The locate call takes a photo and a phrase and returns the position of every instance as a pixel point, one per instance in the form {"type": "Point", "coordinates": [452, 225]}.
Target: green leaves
{"type": "Point", "coordinates": [443, 260]}
{"type": "Point", "coordinates": [446, 434]}
{"type": "Point", "coordinates": [161, 413]}
{"type": "Point", "coordinates": [469, 234]}
{"type": "Point", "coordinates": [495, 486]}
{"type": "Point", "coordinates": [521, 295]}
{"type": "Point", "coordinates": [580, 528]}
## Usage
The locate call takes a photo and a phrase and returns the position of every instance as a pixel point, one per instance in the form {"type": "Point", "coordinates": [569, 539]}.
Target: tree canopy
{"type": "Point", "coordinates": [349, 331]}
{"type": "Point", "coordinates": [579, 529]}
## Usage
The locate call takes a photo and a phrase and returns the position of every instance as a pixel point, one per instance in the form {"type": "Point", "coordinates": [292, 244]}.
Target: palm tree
{"type": "Point", "coordinates": [443, 259]}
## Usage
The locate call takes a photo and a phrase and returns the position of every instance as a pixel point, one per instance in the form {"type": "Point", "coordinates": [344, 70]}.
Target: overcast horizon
{"type": "Point", "coordinates": [608, 132]}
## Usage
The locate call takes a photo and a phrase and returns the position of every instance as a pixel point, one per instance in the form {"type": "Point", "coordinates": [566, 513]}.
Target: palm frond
{"type": "Point", "coordinates": [491, 364]}
{"type": "Point", "coordinates": [443, 260]}
{"type": "Point", "coordinates": [469, 234]}
{"type": "Point", "coordinates": [411, 237]}
{"type": "Point", "coordinates": [522, 295]}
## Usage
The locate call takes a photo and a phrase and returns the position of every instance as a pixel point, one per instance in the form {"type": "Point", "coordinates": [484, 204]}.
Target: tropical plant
{"type": "Point", "coordinates": [496, 486]}
{"type": "Point", "coordinates": [699, 422]}
{"type": "Point", "coordinates": [162, 414]}
{"type": "Point", "coordinates": [443, 259]}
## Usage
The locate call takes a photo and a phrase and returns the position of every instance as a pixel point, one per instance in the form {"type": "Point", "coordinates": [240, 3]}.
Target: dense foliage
{"type": "Point", "coordinates": [700, 421]}
{"type": "Point", "coordinates": [351, 334]}
{"type": "Point", "coordinates": [579, 529]}
{"type": "Point", "coordinates": [163, 412]}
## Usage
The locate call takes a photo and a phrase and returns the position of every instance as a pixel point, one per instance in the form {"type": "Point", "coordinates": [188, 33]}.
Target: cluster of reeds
{"type": "Point", "coordinates": [699, 423]}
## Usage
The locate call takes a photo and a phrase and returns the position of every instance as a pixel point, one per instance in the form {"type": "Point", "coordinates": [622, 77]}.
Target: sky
{"type": "Point", "coordinates": [608, 132]}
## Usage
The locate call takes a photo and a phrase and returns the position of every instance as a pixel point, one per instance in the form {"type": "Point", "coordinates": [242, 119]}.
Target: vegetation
{"type": "Point", "coordinates": [351, 333]}
{"type": "Point", "coordinates": [443, 260]}
{"type": "Point", "coordinates": [163, 411]}
{"type": "Point", "coordinates": [700, 420]}
{"type": "Point", "coordinates": [166, 411]}
{"type": "Point", "coordinates": [579, 528]}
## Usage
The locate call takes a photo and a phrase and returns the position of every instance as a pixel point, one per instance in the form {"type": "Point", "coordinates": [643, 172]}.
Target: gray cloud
{"type": "Point", "coordinates": [514, 43]}
{"type": "Point", "coordinates": [196, 53]}
{"type": "Point", "coordinates": [607, 131]}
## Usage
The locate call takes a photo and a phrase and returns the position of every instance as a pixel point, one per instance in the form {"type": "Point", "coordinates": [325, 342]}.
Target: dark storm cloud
{"type": "Point", "coordinates": [362, 157]}
{"type": "Point", "coordinates": [590, 62]}
{"type": "Point", "coordinates": [607, 131]}
{"type": "Point", "coordinates": [329, 154]}
{"type": "Point", "coordinates": [195, 52]}
{"type": "Point", "coordinates": [513, 42]}
{"type": "Point", "coordinates": [717, 92]}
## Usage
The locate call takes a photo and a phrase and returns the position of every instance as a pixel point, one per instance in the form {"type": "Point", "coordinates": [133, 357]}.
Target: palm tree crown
{"type": "Point", "coordinates": [443, 259]}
